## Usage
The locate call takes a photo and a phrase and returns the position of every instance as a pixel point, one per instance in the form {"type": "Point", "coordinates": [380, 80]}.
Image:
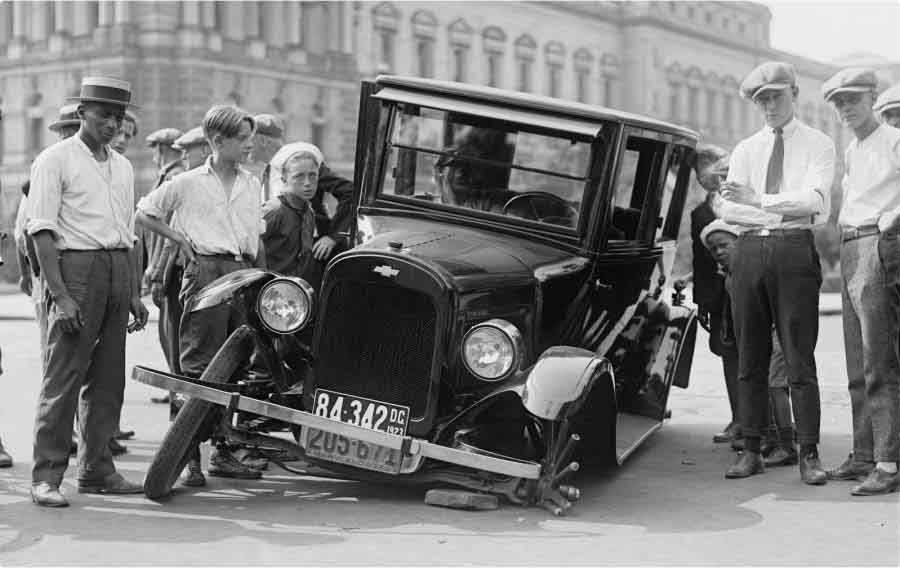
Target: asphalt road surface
{"type": "Point", "coordinates": [669, 504]}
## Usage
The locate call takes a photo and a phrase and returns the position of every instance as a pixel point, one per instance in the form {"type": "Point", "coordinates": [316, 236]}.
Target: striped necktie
{"type": "Point", "coordinates": [775, 172]}
{"type": "Point", "coordinates": [265, 182]}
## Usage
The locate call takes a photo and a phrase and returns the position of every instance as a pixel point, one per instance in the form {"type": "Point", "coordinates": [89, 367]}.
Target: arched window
{"type": "Point", "coordinates": [583, 61]}
{"type": "Point", "coordinates": [386, 21]}
{"type": "Point", "coordinates": [555, 56]}
{"type": "Point", "coordinates": [424, 27]}
{"type": "Point", "coordinates": [525, 49]}
{"type": "Point", "coordinates": [609, 65]}
{"type": "Point", "coordinates": [460, 45]}
{"type": "Point", "coordinates": [494, 41]}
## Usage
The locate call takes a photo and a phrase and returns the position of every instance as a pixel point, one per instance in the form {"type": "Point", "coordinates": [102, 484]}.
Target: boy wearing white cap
{"type": "Point", "coordinates": [870, 275]}
{"type": "Point", "coordinates": [778, 188]}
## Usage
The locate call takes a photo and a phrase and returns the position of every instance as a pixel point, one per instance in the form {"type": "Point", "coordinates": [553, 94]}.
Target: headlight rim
{"type": "Point", "coordinates": [304, 287]}
{"type": "Point", "coordinates": [515, 338]}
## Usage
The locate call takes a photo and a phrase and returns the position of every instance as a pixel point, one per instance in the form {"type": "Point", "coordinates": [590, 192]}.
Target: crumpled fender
{"type": "Point", "coordinates": [222, 289]}
{"type": "Point", "coordinates": [560, 381]}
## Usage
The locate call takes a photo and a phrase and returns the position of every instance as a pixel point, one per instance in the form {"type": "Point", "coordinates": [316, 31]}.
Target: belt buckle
{"type": "Point", "coordinates": [764, 232]}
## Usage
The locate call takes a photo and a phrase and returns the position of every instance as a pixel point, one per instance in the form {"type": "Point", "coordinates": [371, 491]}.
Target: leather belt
{"type": "Point", "coordinates": [852, 233]}
{"type": "Point", "coordinates": [776, 232]}
{"type": "Point", "coordinates": [225, 256]}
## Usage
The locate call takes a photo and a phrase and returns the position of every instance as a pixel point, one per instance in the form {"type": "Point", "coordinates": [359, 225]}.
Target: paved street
{"type": "Point", "coordinates": [669, 504]}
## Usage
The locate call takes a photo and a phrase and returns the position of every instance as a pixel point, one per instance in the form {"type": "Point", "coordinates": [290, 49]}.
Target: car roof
{"type": "Point", "coordinates": [536, 103]}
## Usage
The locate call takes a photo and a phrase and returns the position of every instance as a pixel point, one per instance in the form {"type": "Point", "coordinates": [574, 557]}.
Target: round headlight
{"type": "Point", "coordinates": [492, 350]}
{"type": "Point", "coordinates": [285, 305]}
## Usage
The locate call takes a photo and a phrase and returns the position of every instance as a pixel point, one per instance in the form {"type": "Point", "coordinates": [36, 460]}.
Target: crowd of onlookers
{"type": "Point", "coordinates": [89, 250]}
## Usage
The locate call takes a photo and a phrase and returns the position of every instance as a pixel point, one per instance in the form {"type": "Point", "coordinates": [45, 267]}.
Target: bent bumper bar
{"type": "Point", "coordinates": [405, 444]}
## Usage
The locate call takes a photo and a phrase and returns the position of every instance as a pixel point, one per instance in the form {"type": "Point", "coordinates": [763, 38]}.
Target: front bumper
{"type": "Point", "coordinates": [407, 445]}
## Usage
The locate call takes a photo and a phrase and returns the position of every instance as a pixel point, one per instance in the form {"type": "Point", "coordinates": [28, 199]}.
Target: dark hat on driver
{"type": "Point", "coordinates": [104, 90]}
{"type": "Point", "coordinates": [269, 125]}
{"type": "Point", "coordinates": [850, 80]}
{"type": "Point", "coordinates": [68, 116]}
{"type": "Point", "coordinates": [769, 75]}
{"type": "Point", "coordinates": [164, 136]}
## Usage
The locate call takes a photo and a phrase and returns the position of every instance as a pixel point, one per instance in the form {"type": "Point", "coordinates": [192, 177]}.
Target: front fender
{"type": "Point", "coordinates": [222, 289]}
{"type": "Point", "coordinates": [560, 381]}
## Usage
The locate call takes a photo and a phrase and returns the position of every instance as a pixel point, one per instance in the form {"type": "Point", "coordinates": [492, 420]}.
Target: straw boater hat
{"type": "Point", "coordinates": [68, 116]}
{"type": "Point", "coordinates": [191, 138]}
{"type": "Point", "coordinates": [104, 90]}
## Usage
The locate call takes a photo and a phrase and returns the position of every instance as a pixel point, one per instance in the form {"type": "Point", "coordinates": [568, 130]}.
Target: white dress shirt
{"type": "Point", "coordinates": [872, 179]}
{"type": "Point", "coordinates": [85, 204]}
{"type": "Point", "coordinates": [213, 222]}
{"type": "Point", "coordinates": [805, 196]}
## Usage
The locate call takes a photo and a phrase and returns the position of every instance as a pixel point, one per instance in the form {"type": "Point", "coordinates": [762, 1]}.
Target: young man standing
{"type": "Point", "coordinates": [127, 132]}
{"type": "Point", "coordinates": [80, 215]}
{"type": "Point", "coordinates": [778, 188]}
{"type": "Point", "coordinates": [870, 276]}
{"type": "Point", "coordinates": [219, 224]}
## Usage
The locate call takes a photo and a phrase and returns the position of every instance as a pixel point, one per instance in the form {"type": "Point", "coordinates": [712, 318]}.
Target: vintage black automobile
{"type": "Point", "coordinates": [502, 313]}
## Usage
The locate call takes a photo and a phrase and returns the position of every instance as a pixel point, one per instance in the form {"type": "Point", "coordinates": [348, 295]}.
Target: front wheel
{"type": "Point", "coordinates": [175, 449]}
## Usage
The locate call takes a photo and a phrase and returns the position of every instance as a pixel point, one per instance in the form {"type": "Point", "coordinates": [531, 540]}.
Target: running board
{"type": "Point", "coordinates": [631, 431]}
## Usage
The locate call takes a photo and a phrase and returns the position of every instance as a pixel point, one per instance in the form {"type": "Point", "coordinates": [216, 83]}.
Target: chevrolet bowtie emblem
{"type": "Point", "coordinates": [386, 271]}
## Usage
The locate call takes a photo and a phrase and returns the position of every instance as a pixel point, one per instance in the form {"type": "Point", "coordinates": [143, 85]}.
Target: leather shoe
{"type": "Point", "coordinates": [730, 432]}
{"type": "Point", "coordinates": [46, 494]}
{"type": "Point", "coordinates": [123, 434]}
{"type": "Point", "coordinates": [748, 463]}
{"type": "Point", "coordinates": [811, 471]}
{"type": "Point", "coordinates": [878, 482]}
{"type": "Point", "coordinates": [112, 484]}
{"type": "Point", "coordinates": [851, 470]}
{"type": "Point", "coordinates": [116, 448]}
{"type": "Point", "coordinates": [194, 477]}
{"type": "Point", "coordinates": [223, 464]}
{"type": "Point", "coordinates": [5, 458]}
{"type": "Point", "coordinates": [780, 456]}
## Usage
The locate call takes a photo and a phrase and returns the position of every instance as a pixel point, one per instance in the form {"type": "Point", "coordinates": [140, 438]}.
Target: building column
{"type": "Point", "coordinates": [315, 28]}
{"type": "Point", "coordinates": [274, 16]}
{"type": "Point", "coordinates": [190, 14]}
{"type": "Point", "coordinates": [333, 13]}
{"type": "Point", "coordinates": [293, 24]}
{"type": "Point", "coordinates": [5, 22]}
{"type": "Point", "coordinates": [123, 13]}
{"type": "Point", "coordinates": [208, 16]}
{"type": "Point", "coordinates": [106, 13]}
{"type": "Point", "coordinates": [20, 19]}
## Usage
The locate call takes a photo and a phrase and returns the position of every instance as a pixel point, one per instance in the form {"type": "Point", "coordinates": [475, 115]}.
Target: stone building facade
{"type": "Point", "coordinates": [679, 61]}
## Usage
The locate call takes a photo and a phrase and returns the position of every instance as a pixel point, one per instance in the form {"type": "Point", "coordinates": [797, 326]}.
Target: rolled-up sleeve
{"type": "Point", "coordinates": [814, 196]}
{"type": "Point", "coordinates": [162, 201]}
{"type": "Point", "coordinates": [45, 195]}
{"type": "Point", "coordinates": [739, 213]}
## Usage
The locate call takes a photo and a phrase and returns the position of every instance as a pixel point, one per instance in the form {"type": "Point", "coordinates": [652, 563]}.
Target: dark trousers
{"type": "Point", "coordinates": [202, 332]}
{"type": "Point", "coordinates": [722, 344]}
{"type": "Point", "coordinates": [870, 271]}
{"type": "Point", "coordinates": [776, 281]}
{"type": "Point", "coordinates": [86, 368]}
{"type": "Point", "coordinates": [170, 311]}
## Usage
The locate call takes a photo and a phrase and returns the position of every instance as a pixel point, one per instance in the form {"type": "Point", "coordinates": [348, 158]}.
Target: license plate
{"type": "Point", "coordinates": [362, 412]}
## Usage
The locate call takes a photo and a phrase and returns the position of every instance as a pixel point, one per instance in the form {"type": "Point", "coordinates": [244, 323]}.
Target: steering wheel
{"type": "Point", "coordinates": [543, 207]}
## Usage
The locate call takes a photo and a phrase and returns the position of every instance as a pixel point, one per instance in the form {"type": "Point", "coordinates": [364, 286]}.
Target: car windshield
{"type": "Point", "coordinates": [446, 159]}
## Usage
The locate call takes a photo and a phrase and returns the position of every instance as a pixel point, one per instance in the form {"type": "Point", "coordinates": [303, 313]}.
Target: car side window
{"type": "Point", "coordinates": [674, 189]}
{"type": "Point", "coordinates": [638, 171]}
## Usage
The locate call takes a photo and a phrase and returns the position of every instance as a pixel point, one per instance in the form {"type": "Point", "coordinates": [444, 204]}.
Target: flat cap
{"type": "Point", "coordinates": [769, 75]}
{"type": "Point", "coordinates": [717, 226]}
{"type": "Point", "coordinates": [850, 80]}
{"type": "Point", "coordinates": [191, 138]}
{"type": "Point", "coordinates": [269, 125]}
{"type": "Point", "coordinates": [164, 136]}
{"type": "Point", "coordinates": [889, 99]}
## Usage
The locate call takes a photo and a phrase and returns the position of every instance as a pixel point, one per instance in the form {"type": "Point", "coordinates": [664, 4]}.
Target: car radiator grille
{"type": "Point", "coordinates": [378, 342]}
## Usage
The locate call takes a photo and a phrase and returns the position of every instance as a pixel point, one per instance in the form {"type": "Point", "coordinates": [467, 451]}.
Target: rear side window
{"type": "Point", "coordinates": [639, 168]}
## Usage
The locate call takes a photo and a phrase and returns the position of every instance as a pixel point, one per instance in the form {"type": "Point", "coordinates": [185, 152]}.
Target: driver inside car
{"type": "Point", "coordinates": [464, 183]}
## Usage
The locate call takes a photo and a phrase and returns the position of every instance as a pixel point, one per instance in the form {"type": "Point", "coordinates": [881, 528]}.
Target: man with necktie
{"type": "Point", "coordinates": [268, 139]}
{"type": "Point", "coordinates": [778, 189]}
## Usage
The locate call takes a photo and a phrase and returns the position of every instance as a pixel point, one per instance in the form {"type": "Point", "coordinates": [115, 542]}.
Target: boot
{"type": "Point", "coordinates": [223, 464]}
{"type": "Point", "coordinates": [194, 477]}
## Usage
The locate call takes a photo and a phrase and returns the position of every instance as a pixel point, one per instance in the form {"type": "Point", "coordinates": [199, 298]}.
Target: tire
{"type": "Point", "coordinates": [175, 449]}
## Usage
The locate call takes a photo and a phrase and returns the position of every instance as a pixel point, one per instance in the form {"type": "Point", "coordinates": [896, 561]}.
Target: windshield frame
{"type": "Point", "coordinates": [598, 164]}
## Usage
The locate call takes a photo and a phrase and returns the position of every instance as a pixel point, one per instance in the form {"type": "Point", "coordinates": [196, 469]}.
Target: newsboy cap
{"type": "Point", "coordinates": [717, 226]}
{"type": "Point", "coordinates": [164, 136]}
{"type": "Point", "coordinates": [269, 125]}
{"type": "Point", "coordinates": [889, 99]}
{"type": "Point", "coordinates": [850, 80]}
{"type": "Point", "coordinates": [104, 90]}
{"type": "Point", "coordinates": [68, 116]}
{"type": "Point", "coordinates": [191, 138]}
{"type": "Point", "coordinates": [769, 75]}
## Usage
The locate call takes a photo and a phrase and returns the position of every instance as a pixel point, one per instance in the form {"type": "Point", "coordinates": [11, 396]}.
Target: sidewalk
{"type": "Point", "coordinates": [16, 306]}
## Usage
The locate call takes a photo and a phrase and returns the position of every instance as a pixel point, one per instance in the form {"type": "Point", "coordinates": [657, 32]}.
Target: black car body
{"type": "Point", "coordinates": [500, 313]}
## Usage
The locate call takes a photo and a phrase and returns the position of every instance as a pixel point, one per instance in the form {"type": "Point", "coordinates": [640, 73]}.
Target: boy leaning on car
{"type": "Point", "coordinates": [219, 229]}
